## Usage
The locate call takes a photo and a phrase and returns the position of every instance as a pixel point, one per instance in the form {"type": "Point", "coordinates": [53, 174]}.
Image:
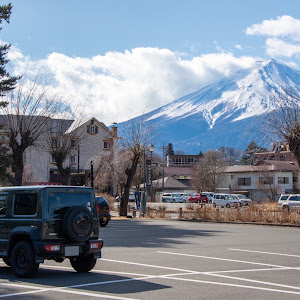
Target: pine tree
{"type": "Point", "coordinates": [169, 150]}
{"type": "Point", "coordinates": [7, 82]}
{"type": "Point", "coordinates": [249, 152]}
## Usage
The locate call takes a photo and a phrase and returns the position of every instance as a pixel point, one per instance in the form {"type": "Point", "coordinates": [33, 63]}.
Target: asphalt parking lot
{"type": "Point", "coordinates": [161, 259]}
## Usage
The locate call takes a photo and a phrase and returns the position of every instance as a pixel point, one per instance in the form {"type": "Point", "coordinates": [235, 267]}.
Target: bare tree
{"type": "Point", "coordinates": [230, 155]}
{"type": "Point", "coordinates": [135, 138]}
{"type": "Point", "coordinates": [26, 118]}
{"type": "Point", "coordinates": [63, 139]}
{"type": "Point", "coordinates": [105, 172]}
{"type": "Point", "coordinates": [207, 175]}
{"type": "Point", "coordinates": [266, 182]}
{"type": "Point", "coordinates": [284, 124]}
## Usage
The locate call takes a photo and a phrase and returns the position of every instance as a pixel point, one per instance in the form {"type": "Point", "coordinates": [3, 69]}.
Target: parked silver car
{"type": "Point", "coordinates": [172, 197]}
{"type": "Point", "coordinates": [289, 203]}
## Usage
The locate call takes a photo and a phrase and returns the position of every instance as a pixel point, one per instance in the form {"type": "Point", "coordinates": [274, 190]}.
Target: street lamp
{"type": "Point", "coordinates": [151, 149]}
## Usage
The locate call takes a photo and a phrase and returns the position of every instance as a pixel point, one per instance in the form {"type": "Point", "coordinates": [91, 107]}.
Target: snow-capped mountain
{"type": "Point", "coordinates": [228, 113]}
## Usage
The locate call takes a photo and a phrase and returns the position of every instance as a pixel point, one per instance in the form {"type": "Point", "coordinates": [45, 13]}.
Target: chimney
{"type": "Point", "coordinates": [114, 131]}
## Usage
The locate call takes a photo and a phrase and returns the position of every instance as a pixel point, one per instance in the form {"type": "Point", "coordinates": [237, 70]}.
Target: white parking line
{"type": "Point", "coordinates": [255, 281]}
{"type": "Point", "coordinates": [262, 252]}
{"type": "Point", "coordinates": [184, 272]}
{"type": "Point", "coordinates": [250, 270]}
{"type": "Point", "coordinates": [223, 259]}
{"type": "Point", "coordinates": [236, 285]}
{"type": "Point", "coordinates": [146, 265]}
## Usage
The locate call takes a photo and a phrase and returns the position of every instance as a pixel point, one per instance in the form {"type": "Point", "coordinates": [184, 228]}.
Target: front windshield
{"type": "Point", "coordinates": [242, 197]}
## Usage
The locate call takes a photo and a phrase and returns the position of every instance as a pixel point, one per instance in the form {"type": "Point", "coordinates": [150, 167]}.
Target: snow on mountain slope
{"type": "Point", "coordinates": [246, 93]}
{"type": "Point", "coordinates": [228, 113]}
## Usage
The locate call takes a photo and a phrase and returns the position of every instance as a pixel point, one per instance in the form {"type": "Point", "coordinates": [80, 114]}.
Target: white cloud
{"type": "Point", "coordinates": [119, 86]}
{"type": "Point", "coordinates": [278, 47]}
{"type": "Point", "coordinates": [282, 26]}
{"type": "Point", "coordinates": [239, 47]}
{"type": "Point", "coordinates": [284, 33]}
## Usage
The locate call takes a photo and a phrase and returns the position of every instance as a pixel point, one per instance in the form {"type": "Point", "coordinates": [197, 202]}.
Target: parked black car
{"type": "Point", "coordinates": [103, 211]}
{"type": "Point", "coordinates": [38, 223]}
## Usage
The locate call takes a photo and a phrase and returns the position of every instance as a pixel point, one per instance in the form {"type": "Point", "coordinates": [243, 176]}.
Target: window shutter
{"type": "Point", "coordinates": [96, 129]}
{"type": "Point", "coordinates": [88, 128]}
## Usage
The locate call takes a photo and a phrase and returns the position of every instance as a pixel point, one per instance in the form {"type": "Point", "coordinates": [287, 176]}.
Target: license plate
{"type": "Point", "coordinates": [104, 219]}
{"type": "Point", "coordinates": [235, 204]}
{"type": "Point", "coordinates": [72, 251]}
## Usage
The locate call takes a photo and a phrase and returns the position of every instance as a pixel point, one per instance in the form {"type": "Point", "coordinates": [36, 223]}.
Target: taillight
{"type": "Point", "coordinates": [96, 245]}
{"type": "Point", "coordinates": [52, 248]}
{"type": "Point", "coordinates": [98, 210]}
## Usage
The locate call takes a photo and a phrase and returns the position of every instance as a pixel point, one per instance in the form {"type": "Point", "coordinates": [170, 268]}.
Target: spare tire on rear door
{"type": "Point", "coordinates": [77, 224]}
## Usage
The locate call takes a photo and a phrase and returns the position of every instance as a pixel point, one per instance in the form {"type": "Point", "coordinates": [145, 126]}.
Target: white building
{"type": "Point", "coordinates": [260, 181]}
{"type": "Point", "coordinates": [89, 138]}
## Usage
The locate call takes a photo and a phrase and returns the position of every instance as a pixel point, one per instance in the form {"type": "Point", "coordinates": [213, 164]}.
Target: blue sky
{"type": "Point", "coordinates": [120, 59]}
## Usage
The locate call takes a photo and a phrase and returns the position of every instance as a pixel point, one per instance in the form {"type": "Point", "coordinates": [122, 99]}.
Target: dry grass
{"type": "Point", "coordinates": [265, 212]}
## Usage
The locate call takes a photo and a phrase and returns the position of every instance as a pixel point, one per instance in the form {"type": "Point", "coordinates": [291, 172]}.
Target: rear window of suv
{"type": "Point", "coordinates": [59, 202]}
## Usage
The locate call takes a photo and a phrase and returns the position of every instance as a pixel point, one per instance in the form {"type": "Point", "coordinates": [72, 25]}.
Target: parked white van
{"type": "Point", "coordinates": [225, 200]}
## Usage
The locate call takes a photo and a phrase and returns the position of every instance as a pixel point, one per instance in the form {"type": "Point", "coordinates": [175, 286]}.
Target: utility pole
{"type": "Point", "coordinates": [163, 175]}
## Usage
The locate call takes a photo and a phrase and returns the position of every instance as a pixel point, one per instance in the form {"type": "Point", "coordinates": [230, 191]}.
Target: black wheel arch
{"type": "Point", "coordinates": [22, 233]}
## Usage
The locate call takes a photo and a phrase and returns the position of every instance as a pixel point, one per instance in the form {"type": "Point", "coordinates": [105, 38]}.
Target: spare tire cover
{"type": "Point", "coordinates": [78, 224]}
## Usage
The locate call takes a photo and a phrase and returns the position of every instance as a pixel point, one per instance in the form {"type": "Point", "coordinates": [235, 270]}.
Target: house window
{"type": "Point", "coordinates": [266, 180]}
{"type": "Point", "coordinates": [74, 169]}
{"type": "Point", "coordinates": [54, 142]}
{"type": "Point", "coordinates": [244, 181]}
{"type": "Point", "coordinates": [53, 159]}
{"type": "Point", "coordinates": [73, 159]}
{"type": "Point", "coordinates": [107, 145]}
{"type": "Point", "coordinates": [283, 180]}
{"type": "Point", "coordinates": [92, 129]}
{"type": "Point", "coordinates": [72, 143]}
{"type": "Point", "coordinates": [232, 177]}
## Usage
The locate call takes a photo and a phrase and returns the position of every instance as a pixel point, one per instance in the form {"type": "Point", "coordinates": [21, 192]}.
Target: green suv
{"type": "Point", "coordinates": [48, 222]}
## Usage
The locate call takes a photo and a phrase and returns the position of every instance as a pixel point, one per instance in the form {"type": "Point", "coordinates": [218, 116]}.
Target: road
{"type": "Point", "coordinates": [163, 259]}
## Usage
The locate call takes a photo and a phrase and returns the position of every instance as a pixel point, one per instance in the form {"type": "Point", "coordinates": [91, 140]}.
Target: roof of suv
{"type": "Point", "coordinates": [40, 187]}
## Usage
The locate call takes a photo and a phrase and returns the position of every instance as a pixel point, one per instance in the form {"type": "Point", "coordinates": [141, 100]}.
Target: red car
{"type": "Point", "coordinates": [197, 198]}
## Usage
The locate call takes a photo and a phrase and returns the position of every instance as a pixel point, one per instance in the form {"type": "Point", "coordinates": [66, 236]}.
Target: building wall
{"type": "Point", "coordinates": [38, 160]}
{"type": "Point", "coordinates": [254, 190]}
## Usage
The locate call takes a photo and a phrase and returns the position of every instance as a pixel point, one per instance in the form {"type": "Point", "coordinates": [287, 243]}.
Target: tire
{"type": "Point", "coordinates": [241, 204]}
{"type": "Point", "coordinates": [78, 224]}
{"type": "Point", "coordinates": [214, 205]}
{"type": "Point", "coordinates": [83, 263]}
{"type": "Point", "coordinates": [6, 261]}
{"type": "Point", "coordinates": [103, 223]}
{"type": "Point", "coordinates": [228, 205]}
{"type": "Point", "coordinates": [286, 208]}
{"type": "Point", "coordinates": [23, 260]}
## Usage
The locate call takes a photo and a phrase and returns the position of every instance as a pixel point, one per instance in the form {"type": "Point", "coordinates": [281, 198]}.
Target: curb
{"type": "Point", "coordinates": [209, 221]}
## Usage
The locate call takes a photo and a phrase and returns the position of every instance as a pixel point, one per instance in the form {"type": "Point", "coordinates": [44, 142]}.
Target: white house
{"type": "Point", "coordinates": [89, 138]}
{"type": "Point", "coordinates": [260, 181]}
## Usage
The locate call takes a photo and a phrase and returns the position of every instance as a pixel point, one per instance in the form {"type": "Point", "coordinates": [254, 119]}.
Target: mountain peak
{"type": "Point", "coordinates": [247, 93]}
{"type": "Point", "coordinates": [220, 114]}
